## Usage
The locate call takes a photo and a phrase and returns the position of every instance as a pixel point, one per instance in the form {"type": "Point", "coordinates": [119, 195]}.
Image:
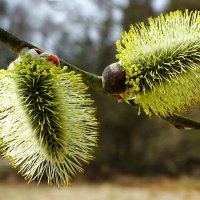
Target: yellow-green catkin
{"type": "Point", "coordinates": [162, 62]}
{"type": "Point", "coordinates": [48, 125]}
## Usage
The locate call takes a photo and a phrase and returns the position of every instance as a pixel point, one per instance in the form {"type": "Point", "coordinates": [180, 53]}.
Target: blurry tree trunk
{"type": "Point", "coordinates": [137, 11]}
{"type": "Point", "coordinates": [106, 49]}
{"type": "Point", "coordinates": [184, 4]}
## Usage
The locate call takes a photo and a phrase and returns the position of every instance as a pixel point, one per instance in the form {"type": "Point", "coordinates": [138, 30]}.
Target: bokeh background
{"type": "Point", "coordinates": [135, 154]}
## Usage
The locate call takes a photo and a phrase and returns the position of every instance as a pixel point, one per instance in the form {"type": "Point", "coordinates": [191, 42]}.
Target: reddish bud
{"type": "Point", "coordinates": [119, 98]}
{"type": "Point", "coordinates": [54, 59]}
{"type": "Point", "coordinates": [179, 126]}
{"type": "Point", "coordinates": [39, 51]}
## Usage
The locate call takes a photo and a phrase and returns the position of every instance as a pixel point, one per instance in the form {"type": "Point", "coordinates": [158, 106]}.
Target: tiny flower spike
{"type": "Point", "coordinates": [162, 63]}
{"type": "Point", "coordinates": [48, 126]}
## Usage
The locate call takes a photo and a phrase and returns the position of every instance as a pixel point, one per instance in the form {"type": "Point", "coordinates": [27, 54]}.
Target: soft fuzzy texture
{"type": "Point", "coordinates": [48, 125]}
{"type": "Point", "coordinates": [162, 63]}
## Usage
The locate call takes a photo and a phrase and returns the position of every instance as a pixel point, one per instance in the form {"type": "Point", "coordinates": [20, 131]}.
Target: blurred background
{"type": "Point", "coordinates": [134, 151]}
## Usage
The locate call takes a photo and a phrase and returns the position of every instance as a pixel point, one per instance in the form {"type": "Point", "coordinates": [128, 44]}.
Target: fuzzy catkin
{"type": "Point", "coordinates": [162, 62]}
{"type": "Point", "coordinates": [48, 125]}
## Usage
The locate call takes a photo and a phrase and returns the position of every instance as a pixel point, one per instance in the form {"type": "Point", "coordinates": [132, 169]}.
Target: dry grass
{"type": "Point", "coordinates": [122, 188]}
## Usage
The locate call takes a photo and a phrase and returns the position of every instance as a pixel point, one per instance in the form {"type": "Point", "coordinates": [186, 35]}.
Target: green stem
{"type": "Point", "coordinates": [181, 122]}
{"type": "Point", "coordinates": [16, 44]}
{"type": "Point", "coordinates": [178, 121]}
{"type": "Point", "coordinates": [91, 80]}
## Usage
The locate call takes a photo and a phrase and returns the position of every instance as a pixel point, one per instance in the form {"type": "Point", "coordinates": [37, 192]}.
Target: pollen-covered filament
{"type": "Point", "coordinates": [161, 61]}
{"type": "Point", "coordinates": [41, 105]}
{"type": "Point", "coordinates": [47, 125]}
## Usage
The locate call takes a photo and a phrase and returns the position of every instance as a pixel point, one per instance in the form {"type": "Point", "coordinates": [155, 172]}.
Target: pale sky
{"type": "Point", "coordinates": [69, 14]}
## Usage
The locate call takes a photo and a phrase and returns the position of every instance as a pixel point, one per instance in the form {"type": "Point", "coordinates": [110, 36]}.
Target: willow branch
{"type": "Point", "coordinates": [16, 44]}
{"type": "Point", "coordinates": [181, 122]}
{"type": "Point", "coordinates": [91, 80]}
{"type": "Point", "coordinates": [178, 121]}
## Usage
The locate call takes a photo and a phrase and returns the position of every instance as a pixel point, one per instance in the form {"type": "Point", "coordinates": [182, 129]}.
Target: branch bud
{"type": "Point", "coordinates": [113, 79]}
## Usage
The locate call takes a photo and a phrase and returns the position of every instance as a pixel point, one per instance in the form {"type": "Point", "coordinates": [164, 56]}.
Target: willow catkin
{"type": "Point", "coordinates": [48, 126]}
{"type": "Point", "coordinates": [162, 63]}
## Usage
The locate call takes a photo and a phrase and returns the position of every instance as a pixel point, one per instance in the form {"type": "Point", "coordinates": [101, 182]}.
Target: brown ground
{"type": "Point", "coordinates": [122, 188]}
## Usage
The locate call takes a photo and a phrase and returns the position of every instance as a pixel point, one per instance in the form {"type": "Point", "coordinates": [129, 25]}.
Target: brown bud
{"type": "Point", "coordinates": [179, 126]}
{"type": "Point", "coordinates": [182, 127]}
{"type": "Point", "coordinates": [113, 79]}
